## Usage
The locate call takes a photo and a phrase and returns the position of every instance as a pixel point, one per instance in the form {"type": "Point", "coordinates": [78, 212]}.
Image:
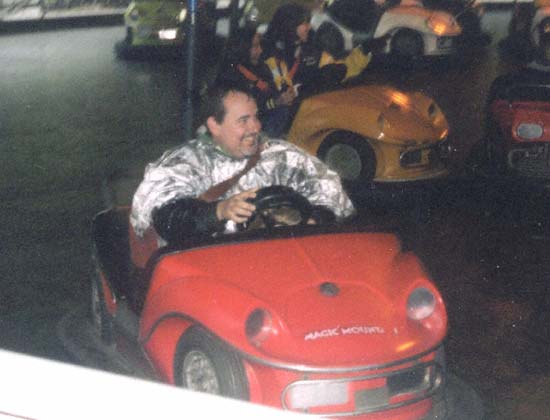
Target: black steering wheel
{"type": "Point", "coordinates": [279, 205]}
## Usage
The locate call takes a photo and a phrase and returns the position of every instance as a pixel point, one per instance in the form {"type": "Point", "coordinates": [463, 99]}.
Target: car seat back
{"type": "Point", "coordinates": [141, 248]}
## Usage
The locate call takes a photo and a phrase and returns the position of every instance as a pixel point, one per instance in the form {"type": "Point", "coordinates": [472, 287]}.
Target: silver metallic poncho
{"type": "Point", "coordinates": [191, 169]}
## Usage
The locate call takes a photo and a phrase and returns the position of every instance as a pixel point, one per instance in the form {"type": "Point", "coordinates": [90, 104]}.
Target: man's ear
{"type": "Point", "coordinates": [213, 126]}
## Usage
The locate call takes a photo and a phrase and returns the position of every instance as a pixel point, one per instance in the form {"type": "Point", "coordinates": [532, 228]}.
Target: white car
{"type": "Point", "coordinates": [412, 30]}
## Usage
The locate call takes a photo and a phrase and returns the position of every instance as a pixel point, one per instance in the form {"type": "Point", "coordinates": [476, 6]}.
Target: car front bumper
{"type": "Point", "coordinates": [149, 35]}
{"type": "Point", "coordinates": [401, 390]}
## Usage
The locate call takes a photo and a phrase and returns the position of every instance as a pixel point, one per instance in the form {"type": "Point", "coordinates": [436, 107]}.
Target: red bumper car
{"type": "Point", "coordinates": [330, 320]}
{"type": "Point", "coordinates": [517, 139]}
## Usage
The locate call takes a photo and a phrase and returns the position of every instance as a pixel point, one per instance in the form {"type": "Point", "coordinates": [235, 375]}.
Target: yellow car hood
{"type": "Point", "coordinates": [378, 112]}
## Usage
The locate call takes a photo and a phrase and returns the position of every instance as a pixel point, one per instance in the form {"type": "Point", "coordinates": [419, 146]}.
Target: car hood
{"type": "Point", "coordinates": [336, 299]}
{"type": "Point", "coordinates": [416, 11]}
{"type": "Point", "coordinates": [381, 113]}
{"type": "Point", "coordinates": [438, 22]}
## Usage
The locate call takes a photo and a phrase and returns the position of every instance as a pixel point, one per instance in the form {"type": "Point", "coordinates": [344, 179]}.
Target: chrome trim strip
{"type": "Point", "coordinates": [334, 369]}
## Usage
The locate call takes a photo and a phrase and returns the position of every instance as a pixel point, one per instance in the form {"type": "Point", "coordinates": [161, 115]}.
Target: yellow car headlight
{"type": "Point", "coordinates": [439, 26]}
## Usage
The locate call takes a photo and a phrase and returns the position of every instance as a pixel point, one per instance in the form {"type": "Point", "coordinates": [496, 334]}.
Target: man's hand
{"type": "Point", "coordinates": [237, 208]}
{"type": "Point", "coordinates": [287, 97]}
{"type": "Point", "coordinates": [375, 45]}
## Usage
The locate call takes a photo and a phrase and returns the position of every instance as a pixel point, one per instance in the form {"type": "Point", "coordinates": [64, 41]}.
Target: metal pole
{"type": "Point", "coordinates": [190, 60]}
{"type": "Point", "coordinates": [234, 20]}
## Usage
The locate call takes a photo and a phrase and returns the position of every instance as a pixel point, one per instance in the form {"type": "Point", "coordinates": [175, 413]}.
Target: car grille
{"type": "Point", "coordinates": [416, 381]}
{"type": "Point", "coordinates": [419, 157]}
{"type": "Point", "coordinates": [532, 161]}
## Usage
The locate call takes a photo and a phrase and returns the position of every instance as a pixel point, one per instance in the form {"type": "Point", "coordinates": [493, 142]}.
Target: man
{"type": "Point", "coordinates": [180, 195]}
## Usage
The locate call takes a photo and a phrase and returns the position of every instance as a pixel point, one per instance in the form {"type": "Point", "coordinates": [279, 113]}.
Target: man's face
{"type": "Point", "coordinates": [238, 133]}
{"type": "Point", "coordinates": [302, 31]}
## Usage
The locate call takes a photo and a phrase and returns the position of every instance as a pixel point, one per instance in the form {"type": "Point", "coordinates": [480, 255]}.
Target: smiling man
{"type": "Point", "coordinates": [197, 188]}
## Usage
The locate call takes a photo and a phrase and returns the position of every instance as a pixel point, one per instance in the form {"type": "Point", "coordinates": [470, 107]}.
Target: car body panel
{"type": "Point", "coordinates": [290, 287]}
{"type": "Point", "coordinates": [337, 299]}
{"type": "Point", "coordinates": [392, 121]}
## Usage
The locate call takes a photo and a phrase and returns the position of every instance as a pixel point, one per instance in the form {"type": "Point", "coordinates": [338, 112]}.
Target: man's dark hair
{"type": "Point", "coordinates": [238, 48]}
{"type": "Point", "coordinates": [214, 106]}
{"type": "Point", "coordinates": [283, 25]}
{"type": "Point", "coordinates": [328, 38]}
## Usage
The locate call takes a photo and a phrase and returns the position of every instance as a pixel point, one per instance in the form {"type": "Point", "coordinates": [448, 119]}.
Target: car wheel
{"type": "Point", "coordinates": [204, 363]}
{"type": "Point", "coordinates": [350, 155]}
{"type": "Point", "coordinates": [407, 44]}
{"type": "Point", "coordinates": [101, 319]}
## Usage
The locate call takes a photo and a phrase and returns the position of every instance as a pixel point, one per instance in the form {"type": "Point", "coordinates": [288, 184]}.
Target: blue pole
{"type": "Point", "coordinates": [190, 60]}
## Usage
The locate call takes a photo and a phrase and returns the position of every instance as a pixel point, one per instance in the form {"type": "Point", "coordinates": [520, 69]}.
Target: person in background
{"type": "Point", "coordinates": [310, 61]}
{"type": "Point", "coordinates": [243, 64]}
{"type": "Point", "coordinates": [537, 70]}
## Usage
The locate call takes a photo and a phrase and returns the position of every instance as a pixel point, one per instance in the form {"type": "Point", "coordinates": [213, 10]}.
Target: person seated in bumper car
{"type": "Point", "coordinates": [309, 61]}
{"type": "Point", "coordinates": [536, 71]}
{"type": "Point", "coordinates": [243, 65]}
{"type": "Point", "coordinates": [199, 187]}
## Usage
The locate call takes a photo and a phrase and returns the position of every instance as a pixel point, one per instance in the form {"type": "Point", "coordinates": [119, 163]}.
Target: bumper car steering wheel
{"type": "Point", "coordinates": [279, 205]}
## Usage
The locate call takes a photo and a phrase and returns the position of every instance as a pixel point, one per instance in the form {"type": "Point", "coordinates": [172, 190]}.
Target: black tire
{"type": "Point", "coordinates": [217, 368]}
{"type": "Point", "coordinates": [101, 319]}
{"type": "Point", "coordinates": [407, 44]}
{"type": "Point", "coordinates": [350, 155]}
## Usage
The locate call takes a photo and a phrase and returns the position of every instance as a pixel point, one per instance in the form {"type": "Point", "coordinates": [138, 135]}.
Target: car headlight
{"type": "Point", "coordinates": [134, 14]}
{"type": "Point", "coordinates": [168, 34]}
{"type": "Point", "coordinates": [529, 131]}
{"type": "Point", "coordinates": [258, 326]}
{"type": "Point", "coordinates": [438, 26]}
{"type": "Point", "coordinates": [420, 304]}
{"type": "Point", "coordinates": [182, 15]}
